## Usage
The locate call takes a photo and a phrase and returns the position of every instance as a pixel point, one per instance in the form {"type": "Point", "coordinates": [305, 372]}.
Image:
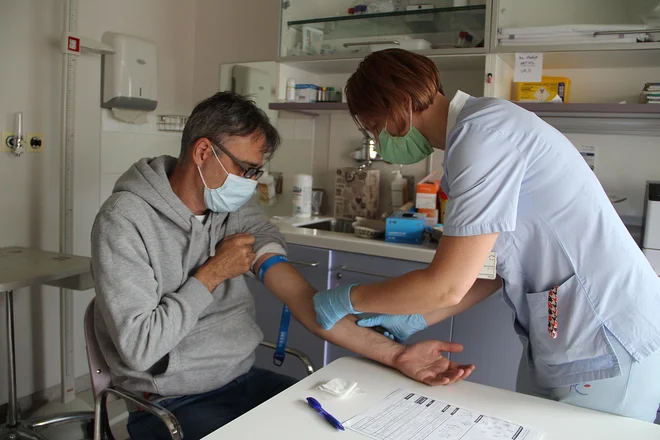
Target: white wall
{"type": "Point", "coordinates": [231, 31]}
{"type": "Point", "coordinates": [29, 194]}
{"type": "Point", "coordinates": [32, 83]}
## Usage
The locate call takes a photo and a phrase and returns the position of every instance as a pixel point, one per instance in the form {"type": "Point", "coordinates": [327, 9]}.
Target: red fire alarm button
{"type": "Point", "coordinates": [73, 44]}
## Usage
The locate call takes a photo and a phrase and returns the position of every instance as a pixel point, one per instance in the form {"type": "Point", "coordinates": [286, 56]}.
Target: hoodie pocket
{"type": "Point", "coordinates": [211, 355]}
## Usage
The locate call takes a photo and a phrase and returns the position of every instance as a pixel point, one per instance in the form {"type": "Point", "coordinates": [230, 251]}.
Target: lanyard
{"type": "Point", "coordinates": [280, 353]}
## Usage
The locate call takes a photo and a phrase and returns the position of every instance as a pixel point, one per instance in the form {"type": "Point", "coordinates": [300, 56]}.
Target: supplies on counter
{"type": "Point", "coordinates": [405, 227]}
{"type": "Point", "coordinates": [650, 93]}
{"type": "Point", "coordinates": [367, 228]}
{"type": "Point", "coordinates": [569, 34]}
{"type": "Point", "coordinates": [302, 195]}
{"type": "Point", "coordinates": [426, 199]}
{"type": "Point", "coordinates": [550, 88]}
{"type": "Point", "coordinates": [399, 189]}
{"type": "Point", "coordinates": [266, 189]}
{"type": "Point", "coordinates": [357, 193]}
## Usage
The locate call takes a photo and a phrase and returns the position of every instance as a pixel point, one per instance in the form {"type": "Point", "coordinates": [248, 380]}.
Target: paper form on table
{"type": "Point", "coordinates": [405, 415]}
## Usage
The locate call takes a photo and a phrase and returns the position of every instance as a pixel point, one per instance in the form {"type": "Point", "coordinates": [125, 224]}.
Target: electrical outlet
{"type": "Point", "coordinates": [4, 148]}
{"type": "Point", "coordinates": [34, 143]}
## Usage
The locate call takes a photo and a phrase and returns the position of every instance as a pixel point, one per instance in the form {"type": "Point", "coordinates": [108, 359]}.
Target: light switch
{"type": "Point", "coordinates": [35, 143]}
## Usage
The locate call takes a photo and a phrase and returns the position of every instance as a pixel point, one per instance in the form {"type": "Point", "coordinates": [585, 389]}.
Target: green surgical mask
{"type": "Point", "coordinates": [410, 148]}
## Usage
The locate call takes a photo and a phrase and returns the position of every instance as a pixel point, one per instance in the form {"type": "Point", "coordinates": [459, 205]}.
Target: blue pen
{"type": "Point", "coordinates": [326, 415]}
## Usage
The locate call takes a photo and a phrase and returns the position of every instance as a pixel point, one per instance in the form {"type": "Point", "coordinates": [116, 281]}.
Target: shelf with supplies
{"type": "Point", "coordinates": [604, 110]}
{"type": "Point", "coordinates": [605, 118]}
{"type": "Point", "coordinates": [308, 108]}
{"type": "Point", "coordinates": [540, 108]}
{"type": "Point", "coordinates": [408, 22]}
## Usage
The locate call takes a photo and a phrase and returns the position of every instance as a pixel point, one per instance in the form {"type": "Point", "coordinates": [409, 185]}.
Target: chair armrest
{"type": "Point", "coordinates": [163, 414]}
{"type": "Point", "coordinates": [293, 352]}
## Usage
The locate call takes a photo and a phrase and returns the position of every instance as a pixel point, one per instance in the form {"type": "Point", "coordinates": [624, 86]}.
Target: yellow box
{"type": "Point", "coordinates": [544, 91]}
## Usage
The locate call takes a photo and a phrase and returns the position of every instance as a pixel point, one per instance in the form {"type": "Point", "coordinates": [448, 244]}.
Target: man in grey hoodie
{"type": "Point", "coordinates": [170, 249]}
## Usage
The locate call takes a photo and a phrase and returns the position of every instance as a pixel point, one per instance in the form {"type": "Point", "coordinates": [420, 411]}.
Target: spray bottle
{"type": "Point", "coordinates": [399, 189]}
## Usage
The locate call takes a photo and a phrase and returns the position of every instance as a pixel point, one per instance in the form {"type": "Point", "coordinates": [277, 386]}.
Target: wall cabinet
{"type": "Point", "coordinates": [486, 331]}
{"type": "Point", "coordinates": [335, 28]}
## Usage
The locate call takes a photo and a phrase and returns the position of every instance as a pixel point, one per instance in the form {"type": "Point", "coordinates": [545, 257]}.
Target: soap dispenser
{"type": "Point", "coordinates": [399, 189]}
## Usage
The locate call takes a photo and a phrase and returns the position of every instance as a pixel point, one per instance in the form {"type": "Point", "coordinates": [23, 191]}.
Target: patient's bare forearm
{"type": "Point", "coordinates": [479, 291]}
{"type": "Point", "coordinates": [291, 288]}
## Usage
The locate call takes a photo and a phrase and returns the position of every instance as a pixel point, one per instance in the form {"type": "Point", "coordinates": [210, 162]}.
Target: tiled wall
{"type": "Point", "coordinates": [123, 144]}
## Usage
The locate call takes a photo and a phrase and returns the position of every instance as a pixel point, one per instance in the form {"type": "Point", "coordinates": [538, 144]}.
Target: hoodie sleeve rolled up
{"type": "Point", "coordinates": [144, 323]}
{"type": "Point", "coordinates": [267, 237]}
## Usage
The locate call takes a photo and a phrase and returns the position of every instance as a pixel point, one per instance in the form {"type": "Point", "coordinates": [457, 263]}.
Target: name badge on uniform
{"type": "Point", "coordinates": [489, 271]}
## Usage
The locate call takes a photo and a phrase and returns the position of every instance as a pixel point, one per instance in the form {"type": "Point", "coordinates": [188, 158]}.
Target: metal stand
{"type": "Point", "coordinates": [15, 428]}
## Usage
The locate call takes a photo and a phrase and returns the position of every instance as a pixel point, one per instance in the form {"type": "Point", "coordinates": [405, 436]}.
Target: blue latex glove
{"type": "Point", "coordinates": [332, 305]}
{"type": "Point", "coordinates": [399, 327]}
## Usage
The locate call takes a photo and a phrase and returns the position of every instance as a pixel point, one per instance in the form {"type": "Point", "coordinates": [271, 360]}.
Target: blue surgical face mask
{"type": "Point", "coordinates": [407, 149]}
{"type": "Point", "coordinates": [231, 195]}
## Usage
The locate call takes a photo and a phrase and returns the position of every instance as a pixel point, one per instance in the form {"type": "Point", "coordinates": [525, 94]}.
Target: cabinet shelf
{"type": "Point", "coordinates": [446, 59]}
{"type": "Point", "coordinates": [540, 108]}
{"type": "Point", "coordinates": [423, 21]}
{"type": "Point", "coordinates": [592, 110]}
{"type": "Point", "coordinates": [622, 119]}
{"type": "Point", "coordinates": [610, 56]}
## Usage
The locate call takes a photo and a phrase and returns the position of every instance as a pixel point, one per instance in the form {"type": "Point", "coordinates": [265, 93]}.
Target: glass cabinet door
{"type": "Point", "coordinates": [356, 28]}
{"type": "Point", "coordinates": [577, 25]}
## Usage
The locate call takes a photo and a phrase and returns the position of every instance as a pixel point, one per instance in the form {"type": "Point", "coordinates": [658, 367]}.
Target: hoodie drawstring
{"type": "Point", "coordinates": [186, 263]}
{"type": "Point", "coordinates": [214, 224]}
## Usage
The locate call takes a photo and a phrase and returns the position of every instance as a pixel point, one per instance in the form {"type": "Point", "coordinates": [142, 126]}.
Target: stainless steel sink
{"type": "Point", "coordinates": [334, 225]}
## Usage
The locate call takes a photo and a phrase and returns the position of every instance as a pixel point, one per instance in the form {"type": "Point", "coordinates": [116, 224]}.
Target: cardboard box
{"type": "Point", "coordinates": [405, 227]}
{"type": "Point", "coordinates": [426, 199]}
{"type": "Point", "coordinates": [306, 92]}
{"type": "Point", "coordinates": [357, 193]}
{"type": "Point", "coordinates": [544, 91]}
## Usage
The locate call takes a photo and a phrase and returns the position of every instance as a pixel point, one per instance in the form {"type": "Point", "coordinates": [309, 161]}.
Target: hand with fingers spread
{"type": "Point", "coordinates": [425, 363]}
{"type": "Point", "coordinates": [233, 257]}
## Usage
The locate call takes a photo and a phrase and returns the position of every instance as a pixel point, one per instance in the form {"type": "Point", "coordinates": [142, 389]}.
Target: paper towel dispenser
{"type": "Point", "coordinates": [130, 75]}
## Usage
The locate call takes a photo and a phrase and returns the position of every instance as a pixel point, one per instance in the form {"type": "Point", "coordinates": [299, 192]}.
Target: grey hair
{"type": "Point", "coordinates": [224, 115]}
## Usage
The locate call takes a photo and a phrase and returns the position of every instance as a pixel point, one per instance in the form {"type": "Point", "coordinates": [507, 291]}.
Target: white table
{"type": "Point", "coordinates": [287, 416]}
{"type": "Point", "coordinates": [21, 267]}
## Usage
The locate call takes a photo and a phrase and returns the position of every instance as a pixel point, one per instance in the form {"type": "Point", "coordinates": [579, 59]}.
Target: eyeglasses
{"type": "Point", "coordinates": [248, 171]}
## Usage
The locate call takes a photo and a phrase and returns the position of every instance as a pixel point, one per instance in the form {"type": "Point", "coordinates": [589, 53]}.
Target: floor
{"type": "Point", "coordinates": [84, 402]}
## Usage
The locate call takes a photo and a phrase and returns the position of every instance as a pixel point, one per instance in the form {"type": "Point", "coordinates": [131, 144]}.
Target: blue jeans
{"type": "Point", "coordinates": [201, 414]}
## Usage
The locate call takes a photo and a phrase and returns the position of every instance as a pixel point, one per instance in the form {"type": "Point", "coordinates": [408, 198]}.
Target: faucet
{"type": "Point", "coordinates": [367, 153]}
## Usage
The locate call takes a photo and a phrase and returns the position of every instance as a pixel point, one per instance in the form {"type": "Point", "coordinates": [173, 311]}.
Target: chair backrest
{"type": "Point", "coordinates": [99, 371]}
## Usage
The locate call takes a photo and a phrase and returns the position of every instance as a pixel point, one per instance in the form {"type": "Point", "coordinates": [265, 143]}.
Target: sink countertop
{"type": "Point", "coordinates": [341, 241]}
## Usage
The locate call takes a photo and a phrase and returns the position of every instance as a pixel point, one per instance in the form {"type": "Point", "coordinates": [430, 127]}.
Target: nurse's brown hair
{"type": "Point", "coordinates": [384, 85]}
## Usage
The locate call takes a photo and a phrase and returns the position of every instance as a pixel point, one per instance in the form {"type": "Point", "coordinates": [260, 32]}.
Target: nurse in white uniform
{"type": "Point", "coordinates": [586, 301]}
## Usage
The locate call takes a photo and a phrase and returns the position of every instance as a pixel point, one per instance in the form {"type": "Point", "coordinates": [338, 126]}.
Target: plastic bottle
{"type": "Point", "coordinates": [266, 188]}
{"type": "Point", "coordinates": [399, 190]}
{"type": "Point", "coordinates": [291, 90]}
{"type": "Point", "coordinates": [302, 195]}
